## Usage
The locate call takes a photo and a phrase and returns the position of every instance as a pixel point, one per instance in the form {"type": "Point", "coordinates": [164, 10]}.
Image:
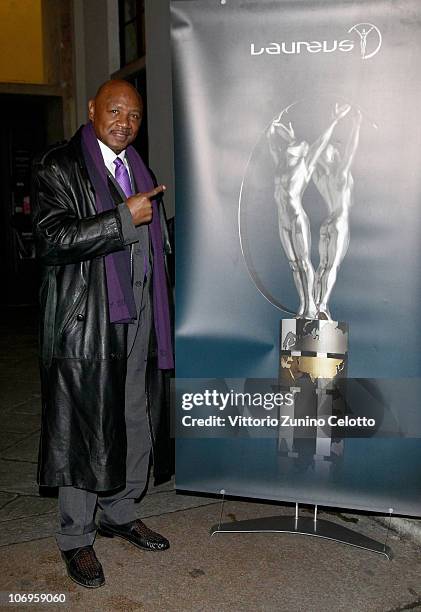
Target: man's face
{"type": "Point", "coordinates": [116, 114]}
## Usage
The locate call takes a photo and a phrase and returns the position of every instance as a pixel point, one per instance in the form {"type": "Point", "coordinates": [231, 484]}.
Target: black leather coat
{"type": "Point", "coordinates": [82, 355]}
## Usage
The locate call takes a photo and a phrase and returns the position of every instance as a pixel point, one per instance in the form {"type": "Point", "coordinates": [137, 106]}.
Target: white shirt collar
{"type": "Point", "coordinates": [109, 156]}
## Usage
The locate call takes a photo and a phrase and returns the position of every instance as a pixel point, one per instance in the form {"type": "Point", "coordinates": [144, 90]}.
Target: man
{"type": "Point", "coordinates": [103, 291]}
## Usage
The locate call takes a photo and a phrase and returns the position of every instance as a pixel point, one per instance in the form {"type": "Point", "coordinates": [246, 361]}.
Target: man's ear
{"type": "Point", "coordinates": [91, 109]}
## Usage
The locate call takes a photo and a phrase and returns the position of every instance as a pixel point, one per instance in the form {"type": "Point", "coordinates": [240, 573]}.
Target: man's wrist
{"type": "Point", "coordinates": [128, 228]}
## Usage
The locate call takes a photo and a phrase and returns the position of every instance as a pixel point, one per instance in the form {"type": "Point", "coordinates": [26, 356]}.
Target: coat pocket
{"type": "Point", "coordinates": [70, 317]}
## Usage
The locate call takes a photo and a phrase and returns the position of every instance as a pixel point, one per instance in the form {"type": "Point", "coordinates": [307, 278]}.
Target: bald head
{"type": "Point", "coordinates": [116, 114]}
{"type": "Point", "coordinates": [114, 86]}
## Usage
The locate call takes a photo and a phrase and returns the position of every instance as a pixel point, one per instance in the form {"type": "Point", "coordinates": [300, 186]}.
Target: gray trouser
{"type": "Point", "coordinates": [77, 506]}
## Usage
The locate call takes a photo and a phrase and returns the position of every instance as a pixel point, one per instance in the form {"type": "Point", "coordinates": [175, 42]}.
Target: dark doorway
{"type": "Point", "coordinates": [30, 123]}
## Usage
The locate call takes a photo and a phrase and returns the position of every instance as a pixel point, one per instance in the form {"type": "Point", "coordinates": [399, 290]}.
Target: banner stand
{"type": "Point", "coordinates": [304, 526]}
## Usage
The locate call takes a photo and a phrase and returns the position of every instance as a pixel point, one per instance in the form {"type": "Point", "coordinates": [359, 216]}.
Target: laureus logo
{"type": "Point", "coordinates": [370, 39]}
{"type": "Point", "coordinates": [366, 36]}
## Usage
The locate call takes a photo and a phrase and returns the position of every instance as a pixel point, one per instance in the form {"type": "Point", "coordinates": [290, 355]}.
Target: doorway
{"type": "Point", "coordinates": [30, 124]}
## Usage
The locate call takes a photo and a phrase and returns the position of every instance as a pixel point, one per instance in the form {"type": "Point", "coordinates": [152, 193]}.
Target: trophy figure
{"type": "Point", "coordinates": [295, 164]}
{"type": "Point", "coordinates": [313, 347]}
{"type": "Point", "coordinates": [334, 181]}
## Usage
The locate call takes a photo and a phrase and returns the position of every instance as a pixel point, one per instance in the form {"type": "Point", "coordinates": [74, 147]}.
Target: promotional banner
{"type": "Point", "coordinates": [298, 198]}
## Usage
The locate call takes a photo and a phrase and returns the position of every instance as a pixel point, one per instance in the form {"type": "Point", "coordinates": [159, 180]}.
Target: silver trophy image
{"type": "Point", "coordinates": [296, 164]}
{"type": "Point", "coordinates": [313, 347]}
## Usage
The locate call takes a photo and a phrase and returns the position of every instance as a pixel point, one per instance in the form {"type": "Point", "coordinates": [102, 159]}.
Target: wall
{"type": "Point", "coordinates": [97, 53]}
{"type": "Point", "coordinates": [158, 82]}
{"type": "Point", "coordinates": [21, 41]}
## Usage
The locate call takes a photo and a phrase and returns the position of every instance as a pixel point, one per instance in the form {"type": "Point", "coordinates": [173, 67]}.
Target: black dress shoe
{"type": "Point", "coordinates": [136, 533]}
{"type": "Point", "coordinates": [83, 567]}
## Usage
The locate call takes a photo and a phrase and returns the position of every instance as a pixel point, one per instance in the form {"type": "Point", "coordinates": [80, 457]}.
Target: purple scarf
{"type": "Point", "coordinates": [121, 302]}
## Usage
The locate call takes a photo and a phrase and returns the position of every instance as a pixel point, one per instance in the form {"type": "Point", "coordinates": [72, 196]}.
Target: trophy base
{"type": "Point", "coordinates": [312, 347]}
{"type": "Point", "coordinates": [312, 366]}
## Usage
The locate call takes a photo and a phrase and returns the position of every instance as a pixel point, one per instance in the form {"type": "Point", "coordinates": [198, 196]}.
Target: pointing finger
{"type": "Point", "coordinates": [154, 192]}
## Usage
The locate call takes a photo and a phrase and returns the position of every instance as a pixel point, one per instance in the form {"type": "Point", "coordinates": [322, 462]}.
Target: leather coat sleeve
{"type": "Point", "coordinates": [128, 228]}
{"type": "Point", "coordinates": [63, 237]}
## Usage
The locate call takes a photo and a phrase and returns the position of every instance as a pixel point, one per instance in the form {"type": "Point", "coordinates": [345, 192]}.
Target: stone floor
{"type": "Point", "coordinates": [236, 572]}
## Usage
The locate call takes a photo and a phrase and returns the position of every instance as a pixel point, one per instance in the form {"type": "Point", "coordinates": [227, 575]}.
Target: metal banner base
{"type": "Point", "coordinates": [305, 526]}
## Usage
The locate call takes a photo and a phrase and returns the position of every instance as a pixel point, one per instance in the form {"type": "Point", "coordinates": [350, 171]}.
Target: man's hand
{"type": "Point", "coordinates": [140, 205]}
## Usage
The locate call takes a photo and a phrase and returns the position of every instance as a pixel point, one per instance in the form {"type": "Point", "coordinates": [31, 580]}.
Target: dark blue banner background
{"type": "Point", "coordinates": [224, 100]}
